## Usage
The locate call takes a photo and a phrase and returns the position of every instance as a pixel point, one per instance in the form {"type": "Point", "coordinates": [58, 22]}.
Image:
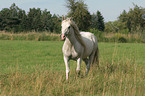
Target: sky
{"type": "Point", "coordinates": [110, 9]}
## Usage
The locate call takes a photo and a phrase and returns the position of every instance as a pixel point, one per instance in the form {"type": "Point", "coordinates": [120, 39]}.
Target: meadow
{"type": "Point", "coordinates": [36, 68]}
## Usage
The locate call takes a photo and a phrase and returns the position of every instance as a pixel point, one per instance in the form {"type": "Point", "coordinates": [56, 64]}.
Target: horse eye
{"type": "Point", "coordinates": [69, 27]}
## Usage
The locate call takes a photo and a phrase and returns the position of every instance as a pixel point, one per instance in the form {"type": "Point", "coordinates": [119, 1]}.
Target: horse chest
{"type": "Point", "coordinates": [70, 51]}
{"type": "Point", "coordinates": [74, 53]}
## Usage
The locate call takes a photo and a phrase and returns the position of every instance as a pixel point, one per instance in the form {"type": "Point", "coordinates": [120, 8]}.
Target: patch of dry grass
{"type": "Point", "coordinates": [117, 78]}
{"type": "Point", "coordinates": [42, 36]}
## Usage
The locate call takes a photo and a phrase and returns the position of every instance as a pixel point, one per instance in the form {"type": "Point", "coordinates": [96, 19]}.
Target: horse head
{"type": "Point", "coordinates": [65, 30]}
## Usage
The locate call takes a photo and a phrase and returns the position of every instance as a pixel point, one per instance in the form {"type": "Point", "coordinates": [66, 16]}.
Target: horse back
{"type": "Point", "coordinates": [90, 42]}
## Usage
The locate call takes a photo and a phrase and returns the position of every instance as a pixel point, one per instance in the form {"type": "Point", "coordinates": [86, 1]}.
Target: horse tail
{"type": "Point", "coordinates": [96, 57]}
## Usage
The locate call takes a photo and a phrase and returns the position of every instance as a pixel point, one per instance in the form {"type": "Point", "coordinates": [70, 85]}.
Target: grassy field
{"type": "Point", "coordinates": [36, 68]}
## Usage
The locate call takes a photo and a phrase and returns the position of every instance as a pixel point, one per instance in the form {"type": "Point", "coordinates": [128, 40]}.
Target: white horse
{"type": "Point", "coordinates": [78, 46]}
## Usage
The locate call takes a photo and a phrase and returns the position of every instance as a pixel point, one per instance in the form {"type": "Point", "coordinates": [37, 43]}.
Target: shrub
{"type": "Point", "coordinates": [31, 36]}
{"type": "Point", "coordinates": [122, 40]}
{"type": "Point", "coordinates": [5, 37]}
{"type": "Point", "coordinates": [98, 34]}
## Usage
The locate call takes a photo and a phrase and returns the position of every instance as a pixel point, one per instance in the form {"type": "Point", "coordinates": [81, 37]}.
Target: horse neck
{"type": "Point", "coordinates": [73, 42]}
{"type": "Point", "coordinates": [72, 38]}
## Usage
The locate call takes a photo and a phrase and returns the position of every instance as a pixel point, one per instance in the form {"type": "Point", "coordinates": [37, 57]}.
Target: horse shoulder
{"type": "Point", "coordinates": [67, 48]}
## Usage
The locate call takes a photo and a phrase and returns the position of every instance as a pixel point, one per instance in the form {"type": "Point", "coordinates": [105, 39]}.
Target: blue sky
{"type": "Point", "coordinates": [110, 9]}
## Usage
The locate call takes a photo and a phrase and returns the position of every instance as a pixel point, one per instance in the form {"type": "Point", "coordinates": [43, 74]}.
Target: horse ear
{"type": "Point", "coordinates": [71, 18]}
{"type": "Point", "coordinates": [62, 18]}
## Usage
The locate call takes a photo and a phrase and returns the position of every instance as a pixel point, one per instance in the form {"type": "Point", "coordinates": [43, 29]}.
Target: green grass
{"type": "Point", "coordinates": [36, 68]}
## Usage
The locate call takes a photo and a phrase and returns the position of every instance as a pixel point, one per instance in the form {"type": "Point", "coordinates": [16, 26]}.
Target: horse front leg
{"type": "Point", "coordinates": [66, 60]}
{"type": "Point", "coordinates": [79, 65]}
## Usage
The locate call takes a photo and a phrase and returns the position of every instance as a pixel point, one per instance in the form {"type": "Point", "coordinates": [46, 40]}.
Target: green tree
{"type": "Point", "coordinates": [46, 20]}
{"type": "Point", "coordinates": [56, 24]}
{"type": "Point", "coordinates": [34, 19]}
{"type": "Point", "coordinates": [17, 20]}
{"type": "Point", "coordinates": [71, 5]}
{"type": "Point", "coordinates": [79, 11]}
{"type": "Point", "coordinates": [133, 19]}
{"type": "Point", "coordinates": [24, 21]}
{"type": "Point", "coordinates": [10, 18]}
{"type": "Point", "coordinates": [94, 21]}
{"type": "Point", "coordinates": [4, 14]}
{"type": "Point", "coordinates": [111, 26]}
{"type": "Point", "coordinates": [14, 10]}
{"type": "Point", "coordinates": [124, 18]}
{"type": "Point", "coordinates": [98, 21]}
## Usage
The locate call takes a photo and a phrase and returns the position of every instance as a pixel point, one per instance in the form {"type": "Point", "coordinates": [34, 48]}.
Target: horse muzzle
{"type": "Point", "coordinates": [62, 36]}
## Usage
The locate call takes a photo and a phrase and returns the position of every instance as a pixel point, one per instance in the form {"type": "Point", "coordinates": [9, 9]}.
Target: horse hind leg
{"type": "Point", "coordinates": [87, 65]}
{"type": "Point", "coordinates": [91, 58]}
{"type": "Point", "coordinates": [94, 60]}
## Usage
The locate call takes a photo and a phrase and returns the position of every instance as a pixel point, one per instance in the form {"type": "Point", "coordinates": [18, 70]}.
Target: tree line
{"type": "Point", "coordinates": [132, 21]}
{"type": "Point", "coordinates": [17, 20]}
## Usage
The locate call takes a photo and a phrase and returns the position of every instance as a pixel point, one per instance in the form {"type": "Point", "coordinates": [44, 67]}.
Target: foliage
{"type": "Point", "coordinates": [10, 18]}
{"type": "Point", "coordinates": [122, 40]}
{"type": "Point", "coordinates": [133, 19]}
{"type": "Point", "coordinates": [79, 11]}
{"type": "Point", "coordinates": [97, 33]}
{"type": "Point", "coordinates": [115, 27]}
{"type": "Point", "coordinates": [98, 21]}
{"type": "Point", "coordinates": [128, 22]}
{"type": "Point", "coordinates": [16, 20]}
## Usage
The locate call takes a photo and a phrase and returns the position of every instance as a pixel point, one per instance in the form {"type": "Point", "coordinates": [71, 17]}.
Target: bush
{"type": "Point", "coordinates": [43, 37]}
{"type": "Point", "coordinates": [5, 37]}
{"type": "Point", "coordinates": [31, 36]}
{"type": "Point", "coordinates": [122, 40]}
{"type": "Point", "coordinates": [98, 34]}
